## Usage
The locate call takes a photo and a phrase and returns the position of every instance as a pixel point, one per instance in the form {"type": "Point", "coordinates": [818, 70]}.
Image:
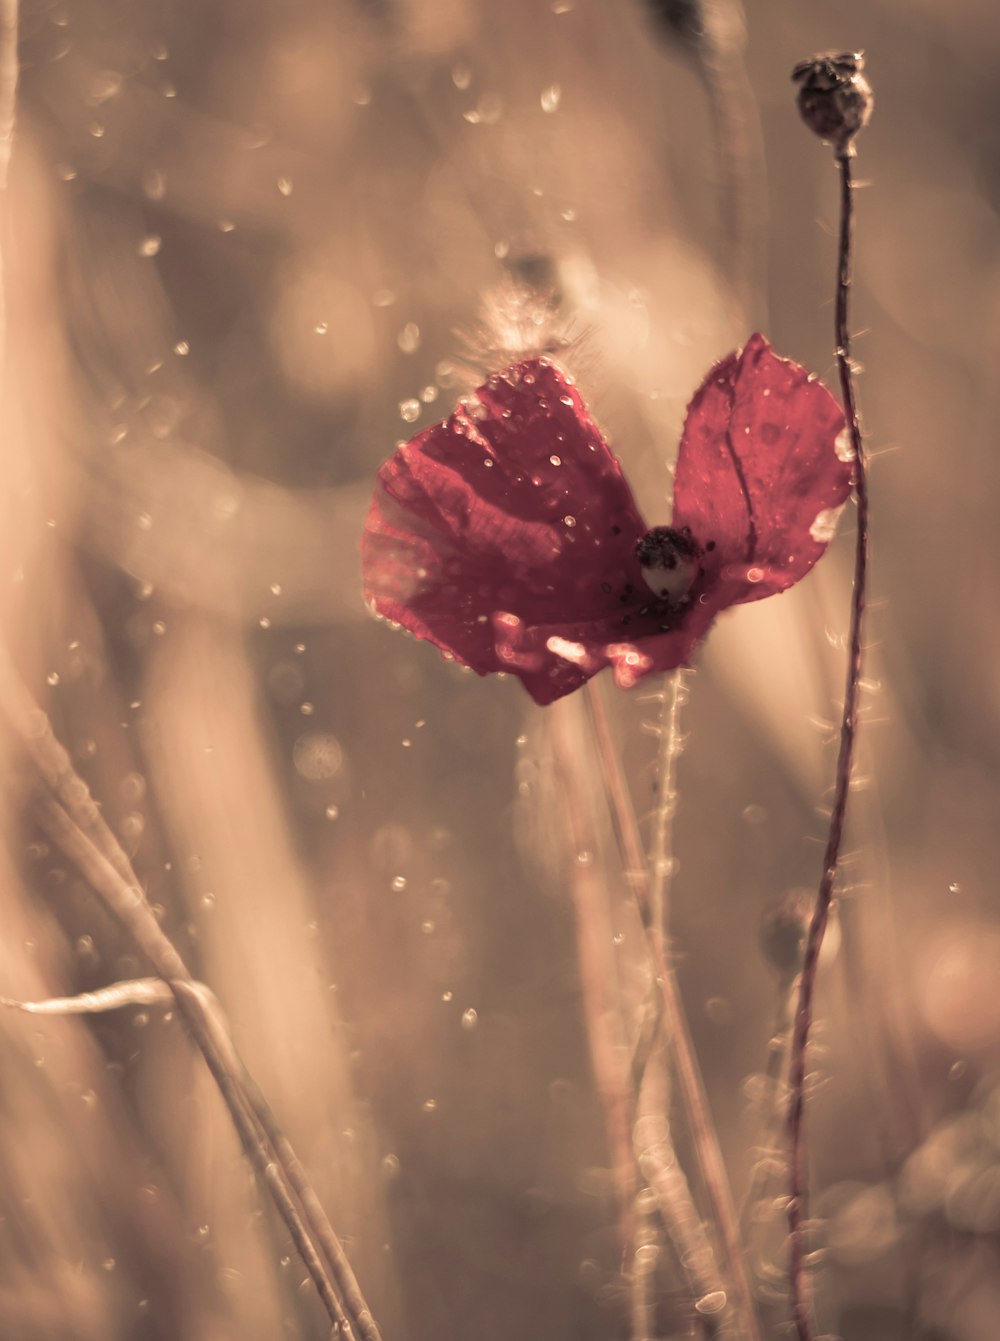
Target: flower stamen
{"type": "Point", "coordinates": [669, 558]}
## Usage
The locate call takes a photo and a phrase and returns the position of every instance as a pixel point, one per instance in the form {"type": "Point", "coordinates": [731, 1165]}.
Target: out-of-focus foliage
{"type": "Point", "coordinates": [241, 239]}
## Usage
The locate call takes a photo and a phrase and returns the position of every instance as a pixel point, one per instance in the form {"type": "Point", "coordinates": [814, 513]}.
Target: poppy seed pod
{"type": "Point", "coordinates": [834, 99]}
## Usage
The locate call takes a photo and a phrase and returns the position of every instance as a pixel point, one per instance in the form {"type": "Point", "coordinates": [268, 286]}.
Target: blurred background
{"type": "Point", "coordinates": [239, 242]}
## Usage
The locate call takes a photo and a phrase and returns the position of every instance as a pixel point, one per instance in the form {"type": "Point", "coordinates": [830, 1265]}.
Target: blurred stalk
{"type": "Point", "coordinates": [769, 1145]}
{"type": "Point", "coordinates": [73, 821]}
{"type": "Point", "coordinates": [595, 949]}
{"type": "Point", "coordinates": [713, 34]}
{"type": "Point", "coordinates": [8, 109]}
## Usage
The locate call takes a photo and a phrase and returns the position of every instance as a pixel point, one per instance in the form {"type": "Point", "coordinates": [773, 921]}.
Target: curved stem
{"type": "Point", "coordinates": [691, 1085]}
{"type": "Point", "coordinates": [801, 1309]}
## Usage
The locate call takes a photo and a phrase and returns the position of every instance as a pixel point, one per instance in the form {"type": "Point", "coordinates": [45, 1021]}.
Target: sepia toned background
{"type": "Point", "coordinates": [241, 243]}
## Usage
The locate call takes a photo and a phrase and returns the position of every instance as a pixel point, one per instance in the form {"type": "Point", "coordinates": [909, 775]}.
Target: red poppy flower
{"type": "Point", "coordinates": [508, 537]}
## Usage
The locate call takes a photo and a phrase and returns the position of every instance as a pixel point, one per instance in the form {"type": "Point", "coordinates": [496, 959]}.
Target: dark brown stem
{"type": "Point", "coordinates": [801, 1308]}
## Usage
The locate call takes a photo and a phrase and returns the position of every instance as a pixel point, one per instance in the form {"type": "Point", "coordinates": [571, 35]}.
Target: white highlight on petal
{"type": "Point", "coordinates": [824, 527]}
{"type": "Point", "coordinates": [562, 647]}
{"type": "Point", "coordinates": [629, 663]}
{"type": "Point", "coordinates": [843, 445]}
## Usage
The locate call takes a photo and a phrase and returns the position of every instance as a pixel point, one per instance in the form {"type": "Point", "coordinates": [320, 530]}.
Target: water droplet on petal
{"type": "Point", "coordinates": [843, 445]}
{"type": "Point", "coordinates": [824, 526]}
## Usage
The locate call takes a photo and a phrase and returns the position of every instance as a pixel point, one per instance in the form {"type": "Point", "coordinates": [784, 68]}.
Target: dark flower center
{"type": "Point", "coordinates": [669, 558]}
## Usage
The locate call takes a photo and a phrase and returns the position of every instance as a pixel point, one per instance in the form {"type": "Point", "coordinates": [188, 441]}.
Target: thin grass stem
{"type": "Point", "coordinates": [73, 820]}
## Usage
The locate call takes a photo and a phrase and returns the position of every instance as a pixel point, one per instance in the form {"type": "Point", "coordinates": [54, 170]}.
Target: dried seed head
{"type": "Point", "coordinates": [834, 99]}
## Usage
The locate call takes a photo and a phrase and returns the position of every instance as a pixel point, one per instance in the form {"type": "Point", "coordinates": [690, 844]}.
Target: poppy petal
{"type": "Point", "coordinates": [760, 475]}
{"type": "Point", "coordinates": [514, 509]}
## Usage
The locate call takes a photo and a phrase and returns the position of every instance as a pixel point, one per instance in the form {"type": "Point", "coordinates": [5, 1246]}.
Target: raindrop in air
{"type": "Point", "coordinates": [408, 338]}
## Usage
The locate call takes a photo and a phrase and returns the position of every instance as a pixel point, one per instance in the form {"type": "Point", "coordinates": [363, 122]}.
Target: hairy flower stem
{"type": "Point", "coordinates": [678, 1037]}
{"type": "Point", "coordinates": [672, 697]}
{"type": "Point", "coordinates": [801, 1308]}
{"type": "Point", "coordinates": [666, 1184]}
{"type": "Point", "coordinates": [671, 744]}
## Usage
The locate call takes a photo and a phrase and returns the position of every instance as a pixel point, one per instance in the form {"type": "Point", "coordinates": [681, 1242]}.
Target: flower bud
{"type": "Point", "coordinates": [834, 99]}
